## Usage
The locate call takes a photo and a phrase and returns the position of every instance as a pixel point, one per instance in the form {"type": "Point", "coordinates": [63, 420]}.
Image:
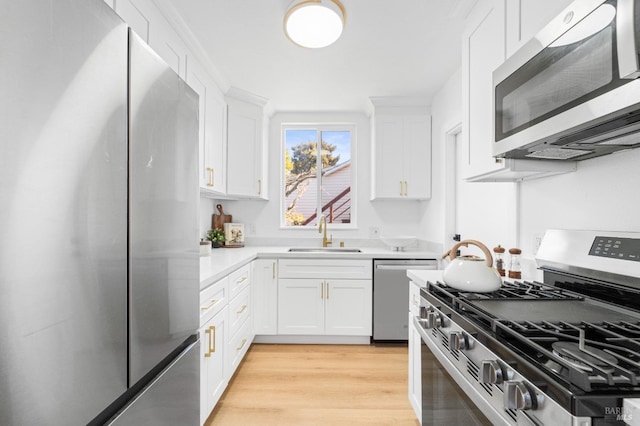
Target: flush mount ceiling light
{"type": "Point", "coordinates": [314, 23]}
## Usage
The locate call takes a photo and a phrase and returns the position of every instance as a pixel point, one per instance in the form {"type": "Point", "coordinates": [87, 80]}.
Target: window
{"type": "Point", "coordinates": [318, 182]}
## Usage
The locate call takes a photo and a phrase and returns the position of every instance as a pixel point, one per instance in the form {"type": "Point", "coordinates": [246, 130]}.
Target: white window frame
{"type": "Point", "coordinates": [320, 127]}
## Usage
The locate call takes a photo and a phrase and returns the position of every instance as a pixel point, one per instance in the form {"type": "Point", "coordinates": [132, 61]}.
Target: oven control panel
{"type": "Point", "coordinates": [616, 248]}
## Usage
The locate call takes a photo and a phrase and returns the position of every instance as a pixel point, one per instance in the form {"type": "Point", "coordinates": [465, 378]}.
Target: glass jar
{"type": "Point", "coordinates": [499, 259]}
{"type": "Point", "coordinates": [515, 270]}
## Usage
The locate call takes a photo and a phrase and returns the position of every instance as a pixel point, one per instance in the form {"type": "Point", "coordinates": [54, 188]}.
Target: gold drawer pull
{"type": "Point", "coordinates": [242, 309]}
{"type": "Point", "coordinates": [211, 332]}
{"type": "Point", "coordinates": [244, 341]}
{"type": "Point", "coordinates": [210, 305]}
{"type": "Point", "coordinates": [241, 280]}
{"type": "Point", "coordinates": [210, 177]}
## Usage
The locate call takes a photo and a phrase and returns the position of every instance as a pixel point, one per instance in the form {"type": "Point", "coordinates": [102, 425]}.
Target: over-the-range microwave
{"type": "Point", "coordinates": [572, 92]}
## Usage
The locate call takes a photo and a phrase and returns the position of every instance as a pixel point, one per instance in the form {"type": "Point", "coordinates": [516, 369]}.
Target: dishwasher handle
{"type": "Point", "coordinates": [405, 267]}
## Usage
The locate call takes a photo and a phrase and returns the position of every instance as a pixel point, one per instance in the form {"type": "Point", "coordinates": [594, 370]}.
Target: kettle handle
{"type": "Point", "coordinates": [452, 253]}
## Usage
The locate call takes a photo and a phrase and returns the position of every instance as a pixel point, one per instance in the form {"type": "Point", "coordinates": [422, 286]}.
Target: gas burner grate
{"type": "Point", "coordinates": [510, 290]}
{"type": "Point", "coordinates": [519, 290]}
{"type": "Point", "coordinates": [599, 355]}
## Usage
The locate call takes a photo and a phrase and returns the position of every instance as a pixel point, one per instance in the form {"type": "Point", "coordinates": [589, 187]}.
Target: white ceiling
{"type": "Point", "coordinates": [388, 48]}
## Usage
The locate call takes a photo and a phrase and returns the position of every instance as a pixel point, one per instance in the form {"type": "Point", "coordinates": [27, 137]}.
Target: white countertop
{"type": "Point", "coordinates": [421, 277]}
{"type": "Point", "coordinates": [223, 261]}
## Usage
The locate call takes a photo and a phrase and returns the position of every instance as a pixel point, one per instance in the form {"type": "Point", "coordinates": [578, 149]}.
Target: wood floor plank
{"type": "Point", "coordinates": [318, 385]}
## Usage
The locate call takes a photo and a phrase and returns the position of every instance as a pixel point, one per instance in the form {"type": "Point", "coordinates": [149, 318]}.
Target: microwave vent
{"type": "Point", "coordinates": [629, 139]}
{"type": "Point", "coordinates": [557, 154]}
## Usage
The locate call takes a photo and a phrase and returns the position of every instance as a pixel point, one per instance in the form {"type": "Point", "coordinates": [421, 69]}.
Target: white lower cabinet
{"type": "Point", "coordinates": [213, 345]}
{"type": "Point", "coordinates": [264, 283]}
{"type": "Point", "coordinates": [300, 306]}
{"type": "Point", "coordinates": [415, 369]}
{"type": "Point", "coordinates": [348, 307]}
{"type": "Point", "coordinates": [325, 297]}
{"type": "Point", "coordinates": [415, 357]}
{"type": "Point", "coordinates": [226, 332]}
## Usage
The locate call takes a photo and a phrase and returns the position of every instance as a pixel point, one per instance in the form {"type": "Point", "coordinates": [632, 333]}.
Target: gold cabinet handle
{"type": "Point", "coordinates": [210, 305]}
{"type": "Point", "coordinates": [244, 341]}
{"type": "Point", "coordinates": [211, 332]}
{"type": "Point", "coordinates": [242, 309]}
{"type": "Point", "coordinates": [406, 188]}
{"type": "Point", "coordinates": [241, 280]}
{"type": "Point", "coordinates": [273, 270]}
{"type": "Point", "coordinates": [401, 188]}
{"type": "Point", "coordinates": [259, 186]}
{"type": "Point", "coordinates": [322, 290]}
{"type": "Point", "coordinates": [327, 290]}
{"type": "Point", "coordinates": [210, 173]}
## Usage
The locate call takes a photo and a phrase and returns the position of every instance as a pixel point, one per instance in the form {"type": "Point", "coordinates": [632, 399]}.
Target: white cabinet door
{"type": "Point", "coordinates": [526, 17]}
{"type": "Point", "coordinates": [213, 344]}
{"type": "Point", "coordinates": [211, 131]}
{"type": "Point", "coordinates": [244, 149]}
{"type": "Point", "coordinates": [300, 306]}
{"type": "Point", "coordinates": [168, 44]}
{"type": "Point", "coordinates": [148, 22]}
{"type": "Point", "coordinates": [137, 15]}
{"type": "Point", "coordinates": [402, 153]}
{"type": "Point", "coordinates": [348, 307]}
{"type": "Point", "coordinates": [389, 157]}
{"type": "Point", "coordinates": [265, 296]}
{"type": "Point", "coordinates": [417, 157]}
{"type": "Point", "coordinates": [483, 51]}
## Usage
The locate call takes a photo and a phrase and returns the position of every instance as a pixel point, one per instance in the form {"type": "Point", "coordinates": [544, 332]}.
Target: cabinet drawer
{"type": "Point", "coordinates": [325, 268]}
{"type": "Point", "coordinates": [213, 299]}
{"type": "Point", "coordinates": [239, 310]}
{"type": "Point", "coordinates": [239, 280]}
{"type": "Point", "coordinates": [237, 348]}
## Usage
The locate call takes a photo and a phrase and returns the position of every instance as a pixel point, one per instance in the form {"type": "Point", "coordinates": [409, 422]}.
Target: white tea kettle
{"type": "Point", "coordinates": [471, 273]}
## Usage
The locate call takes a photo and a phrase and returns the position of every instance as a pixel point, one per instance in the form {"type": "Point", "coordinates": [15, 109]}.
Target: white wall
{"type": "Point", "coordinates": [399, 218]}
{"type": "Point", "coordinates": [446, 113]}
{"type": "Point", "coordinates": [601, 195]}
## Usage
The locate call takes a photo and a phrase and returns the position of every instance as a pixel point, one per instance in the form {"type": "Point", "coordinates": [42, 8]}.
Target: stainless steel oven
{"type": "Point", "coordinates": [565, 351]}
{"type": "Point", "coordinates": [572, 92]}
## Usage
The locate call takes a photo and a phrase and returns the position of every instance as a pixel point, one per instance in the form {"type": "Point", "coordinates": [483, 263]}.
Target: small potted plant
{"type": "Point", "coordinates": [216, 236]}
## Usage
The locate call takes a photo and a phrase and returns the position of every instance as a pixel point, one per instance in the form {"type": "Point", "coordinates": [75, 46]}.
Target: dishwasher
{"type": "Point", "coordinates": [391, 296]}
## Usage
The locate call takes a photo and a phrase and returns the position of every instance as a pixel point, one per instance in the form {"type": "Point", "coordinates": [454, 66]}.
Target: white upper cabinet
{"type": "Point", "coordinates": [483, 47]}
{"type": "Point", "coordinates": [246, 140]}
{"type": "Point", "coordinates": [526, 17]}
{"type": "Point", "coordinates": [147, 21]}
{"type": "Point", "coordinates": [213, 146]}
{"type": "Point", "coordinates": [402, 151]}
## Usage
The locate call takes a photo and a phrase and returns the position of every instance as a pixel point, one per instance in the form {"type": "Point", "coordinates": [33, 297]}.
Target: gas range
{"type": "Point", "coordinates": [562, 351]}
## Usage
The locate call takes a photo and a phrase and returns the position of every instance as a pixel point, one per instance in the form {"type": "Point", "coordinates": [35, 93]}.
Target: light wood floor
{"type": "Point", "coordinates": [318, 385]}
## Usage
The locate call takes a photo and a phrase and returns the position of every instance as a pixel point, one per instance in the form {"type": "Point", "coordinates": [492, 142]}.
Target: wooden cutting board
{"type": "Point", "coordinates": [220, 219]}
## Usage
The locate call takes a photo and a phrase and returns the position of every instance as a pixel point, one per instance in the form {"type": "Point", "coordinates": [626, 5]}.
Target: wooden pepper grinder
{"type": "Point", "coordinates": [515, 270]}
{"type": "Point", "coordinates": [499, 257]}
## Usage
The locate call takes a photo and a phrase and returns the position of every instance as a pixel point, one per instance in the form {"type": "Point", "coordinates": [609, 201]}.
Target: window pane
{"type": "Point", "coordinates": [301, 188]}
{"type": "Point", "coordinates": [335, 185]}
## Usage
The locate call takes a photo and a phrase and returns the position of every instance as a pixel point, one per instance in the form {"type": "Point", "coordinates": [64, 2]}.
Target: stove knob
{"type": "Point", "coordinates": [435, 319]}
{"type": "Point", "coordinates": [460, 341]}
{"type": "Point", "coordinates": [491, 372]}
{"type": "Point", "coordinates": [519, 396]}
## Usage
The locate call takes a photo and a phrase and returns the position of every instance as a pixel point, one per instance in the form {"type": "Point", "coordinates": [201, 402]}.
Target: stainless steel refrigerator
{"type": "Point", "coordinates": [98, 223]}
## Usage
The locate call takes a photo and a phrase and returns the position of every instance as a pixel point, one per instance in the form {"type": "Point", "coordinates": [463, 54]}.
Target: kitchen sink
{"type": "Point", "coordinates": [324, 250]}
